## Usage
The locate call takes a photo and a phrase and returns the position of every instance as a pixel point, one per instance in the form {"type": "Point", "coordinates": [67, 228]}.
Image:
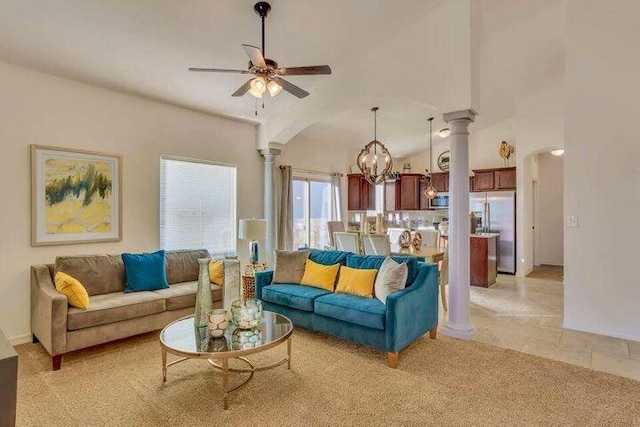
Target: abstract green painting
{"type": "Point", "coordinates": [75, 196]}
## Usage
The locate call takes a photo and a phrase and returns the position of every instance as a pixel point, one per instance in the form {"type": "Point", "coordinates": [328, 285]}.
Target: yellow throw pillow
{"type": "Point", "coordinates": [77, 295]}
{"type": "Point", "coordinates": [216, 271]}
{"type": "Point", "coordinates": [356, 281]}
{"type": "Point", "coordinates": [320, 276]}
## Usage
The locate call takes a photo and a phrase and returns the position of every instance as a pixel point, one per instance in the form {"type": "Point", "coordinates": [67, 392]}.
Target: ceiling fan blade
{"type": "Point", "coordinates": [218, 70]}
{"type": "Point", "coordinates": [255, 55]}
{"type": "Point", "coordinates": [243, 89]}
{"type": "Point", "coordinates": [291, 88]}
{"type": "Point", "coordinates": [304, 71]}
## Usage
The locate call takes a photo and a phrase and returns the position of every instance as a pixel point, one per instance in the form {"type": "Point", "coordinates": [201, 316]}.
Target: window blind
{"type": "Point", "coordinates": [198, 206]}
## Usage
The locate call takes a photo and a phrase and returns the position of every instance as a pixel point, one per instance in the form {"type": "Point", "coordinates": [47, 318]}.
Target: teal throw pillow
{"type": "Point", "coordinates": [145, 272]}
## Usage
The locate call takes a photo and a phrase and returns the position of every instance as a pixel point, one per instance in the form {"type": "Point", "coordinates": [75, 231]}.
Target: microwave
{"type": "Point", "coordinates": [441, 201]}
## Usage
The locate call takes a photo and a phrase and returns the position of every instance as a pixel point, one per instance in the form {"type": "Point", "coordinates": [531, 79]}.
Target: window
{"type": "Point", "coordinates": [198, 206]}
{"type": "Point", "coordinates": [312, 208]}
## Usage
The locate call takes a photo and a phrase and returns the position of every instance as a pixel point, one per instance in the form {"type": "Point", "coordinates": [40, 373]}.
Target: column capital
{"type": "Point", "coordinates": [269, 154]}
{"type": "Point", "coordinates": [469, 115]}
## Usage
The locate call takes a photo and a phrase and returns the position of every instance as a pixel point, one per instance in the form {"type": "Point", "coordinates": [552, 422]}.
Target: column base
{"type": "Point", "coordinates": [463, 332]}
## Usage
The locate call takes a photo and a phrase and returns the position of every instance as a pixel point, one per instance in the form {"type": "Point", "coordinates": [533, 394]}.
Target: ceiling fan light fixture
{"type": "Point", "coordinates": [258, 86]}
{"type": "Point", "coordinates": [444, 132]}
{"type": "Point", "coordinates": [274, 88]}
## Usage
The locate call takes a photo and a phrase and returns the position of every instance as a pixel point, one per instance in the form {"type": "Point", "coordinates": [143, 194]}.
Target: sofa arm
{"type": "Point", "coordinates": [414, 310]}
{"type": "Point", "coordinates": [263, 278]}
{"type": "Point", "coordinates": [48, 311]}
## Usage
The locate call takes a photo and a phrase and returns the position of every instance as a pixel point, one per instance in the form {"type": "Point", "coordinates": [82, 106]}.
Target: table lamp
{"type": "Point", "coordinates": [253, 230]}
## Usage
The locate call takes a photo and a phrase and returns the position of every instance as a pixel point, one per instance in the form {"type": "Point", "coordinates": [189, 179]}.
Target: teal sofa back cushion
{"type": "Point", "coordinates": [328, 257]}
{"type": "Point", "coordinates": [145, 272]}
{"type": "Point", "coordinates": [375, 262]}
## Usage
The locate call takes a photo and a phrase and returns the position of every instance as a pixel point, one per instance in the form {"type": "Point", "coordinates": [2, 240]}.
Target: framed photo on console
{"type": "Point", "coordinates": [76, 196]}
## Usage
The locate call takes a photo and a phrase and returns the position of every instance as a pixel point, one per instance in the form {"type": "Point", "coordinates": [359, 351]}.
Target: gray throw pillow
{"type": "Point", "coordinates": [289, 266]}
{"type": "Point", "coordinates": [391, 278]}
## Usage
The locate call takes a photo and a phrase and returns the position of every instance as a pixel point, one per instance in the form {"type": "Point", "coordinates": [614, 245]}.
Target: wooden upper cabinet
{"type": "Point", "coordinates": [440, 181]}
{"type": "Point", "coordinates": [360, 194]}
{"type": "Point", "coordinates": [410, 191]}
{"type": "Point", "coordinates": [494, 179]}
{"type": "Point", "coordinates": [506, 179]}
{"type": "Point", "coordinates": [483, 181]}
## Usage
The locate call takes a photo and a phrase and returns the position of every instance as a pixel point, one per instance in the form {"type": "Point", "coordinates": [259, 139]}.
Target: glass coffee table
{"type": "Point", "coordinates": [183, 338]}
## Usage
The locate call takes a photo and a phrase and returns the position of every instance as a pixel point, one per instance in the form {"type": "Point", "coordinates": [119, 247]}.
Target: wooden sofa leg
{"type": "Point", "coordinates": [57, 362]}
{"type": "Point", "coordinates": [34, 339]}
{"type": "Point", "coordinates": [392, 359]}
{"type": "Point", "coordinates": [433, 332]}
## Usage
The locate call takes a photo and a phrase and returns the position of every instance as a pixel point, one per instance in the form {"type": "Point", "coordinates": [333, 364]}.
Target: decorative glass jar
{"type": "Point", "coordinates": [243, 339]}
{"type": "Point", "coordinates": [246, 314]}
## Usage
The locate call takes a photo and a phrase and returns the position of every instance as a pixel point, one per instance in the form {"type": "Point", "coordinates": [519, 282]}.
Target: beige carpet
{"type": "Point", "coordinates": [444, 382]}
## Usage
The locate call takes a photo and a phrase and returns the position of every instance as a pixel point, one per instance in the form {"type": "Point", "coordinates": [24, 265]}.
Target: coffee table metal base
{"type": "Point", "coordinates": [222, 364]}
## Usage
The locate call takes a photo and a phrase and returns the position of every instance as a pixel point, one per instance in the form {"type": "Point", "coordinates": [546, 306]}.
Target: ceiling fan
{"type": "Point", "coordinates": [266, 71]}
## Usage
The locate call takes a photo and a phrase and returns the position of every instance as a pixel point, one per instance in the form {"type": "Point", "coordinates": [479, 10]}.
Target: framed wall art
{"type": "Point", "coordinates": [76, 196]}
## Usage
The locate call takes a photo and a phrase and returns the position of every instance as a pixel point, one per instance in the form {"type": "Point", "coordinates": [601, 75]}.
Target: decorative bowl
{"type": "Point", "coordinates": [217, 321]}
{"type": "Point", "coordinates": [246, 314]}
{"type": "Point", "coordinates": [242, 339]}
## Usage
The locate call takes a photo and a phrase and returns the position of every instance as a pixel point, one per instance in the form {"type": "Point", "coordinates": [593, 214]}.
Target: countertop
{"type": "Point", "coordinates": [478, 235]}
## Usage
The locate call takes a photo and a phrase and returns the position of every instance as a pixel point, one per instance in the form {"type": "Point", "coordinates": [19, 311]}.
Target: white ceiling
{"type": "Point", "coordinates": [145, 46]}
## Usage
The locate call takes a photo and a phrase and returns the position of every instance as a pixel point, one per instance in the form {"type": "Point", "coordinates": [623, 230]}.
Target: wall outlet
{"type": "Point", "coordinates": [572, 221]}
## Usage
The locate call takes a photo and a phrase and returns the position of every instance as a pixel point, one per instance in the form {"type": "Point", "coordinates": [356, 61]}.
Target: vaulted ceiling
{"type": "Point", "coordinates": [378, 51]}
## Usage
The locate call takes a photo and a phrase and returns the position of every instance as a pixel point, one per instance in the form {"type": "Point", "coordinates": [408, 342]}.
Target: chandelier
{"type": "Point", "coordinates": [430, 191]}
{"type": "Point", "coordinates": [374, 160]}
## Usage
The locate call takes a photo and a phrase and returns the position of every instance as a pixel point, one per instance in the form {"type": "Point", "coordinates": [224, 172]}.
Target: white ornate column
{"type": "Point", "coordinates": [459, 319]}
{"type": "Point", "coordinates": [269, 155]}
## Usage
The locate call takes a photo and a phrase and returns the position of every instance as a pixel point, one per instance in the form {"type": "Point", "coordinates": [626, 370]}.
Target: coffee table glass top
{"type": "Point", "coordinates": [184, 337]}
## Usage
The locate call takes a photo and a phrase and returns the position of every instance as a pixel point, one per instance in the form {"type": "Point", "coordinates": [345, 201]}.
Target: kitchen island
{"type": "Point", "coordinates": [484, 258]}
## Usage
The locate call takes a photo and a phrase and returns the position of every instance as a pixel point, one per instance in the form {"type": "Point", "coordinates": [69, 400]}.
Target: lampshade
{"type": "Point", "coordinates": [274, 88]}
{"type": "Point", "coordinates": [258, 86]}
{"type": "Point", "coordinates": [252, 229]}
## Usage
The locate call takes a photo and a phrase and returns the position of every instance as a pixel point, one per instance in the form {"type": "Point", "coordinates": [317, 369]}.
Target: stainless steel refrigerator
{"type": "Point", "coordinates": [496, 211]}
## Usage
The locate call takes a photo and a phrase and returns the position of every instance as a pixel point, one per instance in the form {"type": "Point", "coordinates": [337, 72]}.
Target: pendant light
{"type": "Point", "coordinates": [374, 160]}
{"type": "Point", "coordinates": [430, 191]}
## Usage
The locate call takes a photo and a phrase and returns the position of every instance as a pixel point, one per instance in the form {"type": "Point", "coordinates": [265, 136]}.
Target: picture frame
{"type": "Point", "coordinates": [76, 196]}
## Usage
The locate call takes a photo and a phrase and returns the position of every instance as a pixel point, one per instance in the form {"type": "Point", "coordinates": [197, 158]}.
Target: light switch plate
{"type": "Point", "coordinates": [572, 221]}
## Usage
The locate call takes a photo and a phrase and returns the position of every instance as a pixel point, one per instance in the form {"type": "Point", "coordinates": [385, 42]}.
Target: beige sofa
{"type": "Point", "coordinates": [112, 314]}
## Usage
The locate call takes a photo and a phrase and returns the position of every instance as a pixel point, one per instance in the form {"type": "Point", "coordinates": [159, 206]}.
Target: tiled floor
{"type": "Point", "coordinates": [525, 314]}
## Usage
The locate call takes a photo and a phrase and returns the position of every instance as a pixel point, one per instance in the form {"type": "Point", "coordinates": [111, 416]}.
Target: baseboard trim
{"type": "Point", "coordinates": [577, 327]}
{"type": "Point", "coordinates": [20, 339]}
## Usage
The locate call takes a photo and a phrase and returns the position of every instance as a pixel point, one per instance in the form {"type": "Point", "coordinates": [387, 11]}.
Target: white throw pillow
{"type": "Point", "coordinates": [391, 278]}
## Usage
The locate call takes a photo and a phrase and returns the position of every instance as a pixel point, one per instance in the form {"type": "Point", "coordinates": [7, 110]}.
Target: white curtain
{"type": "Point", "coordinates": [337, 197]}
{"type": "Point", "coordinates": [285, 214]}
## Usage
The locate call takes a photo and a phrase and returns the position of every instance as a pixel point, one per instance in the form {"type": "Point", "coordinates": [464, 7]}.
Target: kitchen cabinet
{"type": "Point", "coordinates": [506, 179]}
{"type": "Point", "coordinates": [440, 181]}
{"type": "Point", "coordinates": [483, 257]}
{"type": "Point", "coordinates": [361, 195]}
{"type": "Point", "coordinates": [403, 193]}
{"type": "Point", "coordinates": [424, 201]}
{"type": "Point", "coordinates": [494, 179]}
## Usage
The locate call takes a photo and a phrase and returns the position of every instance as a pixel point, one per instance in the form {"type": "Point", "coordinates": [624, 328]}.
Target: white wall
{"type": "Point", "coordinates": [602, 167]}
{"type": "Point", "coordinates": [37, 108]}
{"type": "Point", "coordinates": [550, 226]}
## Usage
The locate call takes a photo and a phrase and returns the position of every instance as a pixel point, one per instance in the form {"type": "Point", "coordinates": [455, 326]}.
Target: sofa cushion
{"type": "Point", "coordinates": [292, 295]}
{"type": "Point", "coordinates": [99, 274]}
{"type": "Point", "coordinates": [182, 266]}
{"type": "Point", "coordinates": [76, 294]}
{"type": "Point", "coordinates": [328, 257]}
{"type": "Point", "coordinates": [369, 312]}
{"type": "Point", "coordinates": [289, 266]}
{"type": "Point", "coordinates": [114, 307]}
{"type": "Point", "coordinates": [375, 261]}
{"type": "Point", "coordinates": [181, 295]}
{"type": "Point", "coordinates": [145, 272]}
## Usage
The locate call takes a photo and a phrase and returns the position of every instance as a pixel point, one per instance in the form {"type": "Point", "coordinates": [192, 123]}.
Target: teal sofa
{"type": "Point", "coordinates": [407, 315]}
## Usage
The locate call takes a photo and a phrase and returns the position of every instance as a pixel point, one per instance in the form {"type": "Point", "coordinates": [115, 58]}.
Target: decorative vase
{"type": "Point", "coordinates": [203, 294]}
{"type": "Point", "coordinates": [242, 339]}
{"type": "Point", "coordinates": [246, 314]}
{"type": "Point", "coordinates": [218, 321]}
